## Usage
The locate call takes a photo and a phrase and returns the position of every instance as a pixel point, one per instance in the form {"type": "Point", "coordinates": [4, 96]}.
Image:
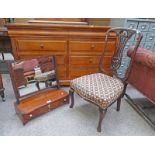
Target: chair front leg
{"type": "Point", "coordinates": [71, 94]}
{"type": "Point", "coordinates": [3, 96]}
{"type": "Point", "coordinates": [102, 114]}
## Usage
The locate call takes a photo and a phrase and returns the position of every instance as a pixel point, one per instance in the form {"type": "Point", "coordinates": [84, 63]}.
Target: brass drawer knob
{"type": "Point", "coordinates": [30, 115]}
{"type": "Point", "coordinates": [49, 101]}
{"type": "Point", "coordinates": [92, 46]}
{"type": "Point", "coordinates": [65, 100]}
{"type": "Point", "coordinates": [90, 60]}
{"type": "Point", "coordinates": [143, 27]}
{"type": "Point", "coordinates": [42, 45]}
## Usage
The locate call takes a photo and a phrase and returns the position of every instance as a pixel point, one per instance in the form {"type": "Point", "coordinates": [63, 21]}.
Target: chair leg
{"type": "Point", "coordinates": [125, 86]}
{"type": "Point", "coordinates": [102, 114]}
{"type": "Point", "coordinates": [119, 99]}
{"type": "Point", "coordinates": [71, 94]}
{"type": "Point", "coordinates": [118, 103]}
{"type": "Point", "coordinates": [37, 85]}
{"type": "Point", "coordinates": [3, 97]}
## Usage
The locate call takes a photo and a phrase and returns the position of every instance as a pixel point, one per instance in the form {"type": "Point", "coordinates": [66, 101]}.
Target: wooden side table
{"type": "Point", "coordinates": [2, 89]}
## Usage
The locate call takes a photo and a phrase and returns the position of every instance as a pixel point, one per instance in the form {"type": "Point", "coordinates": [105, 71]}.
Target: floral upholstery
{"type": "Point", "coordinates": [98, 88]}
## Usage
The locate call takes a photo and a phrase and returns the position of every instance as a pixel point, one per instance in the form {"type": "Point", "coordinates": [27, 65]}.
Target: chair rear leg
{"type": "Point", "coordinates": [118, 103]}
{"type": "Point", "coordinates": [102, 113]}
{"type": "Point", "coordinates": [71, 94]}
{"type": "Point", "coordinates": [125, 86]}
{"type": "Point", "coordinates": [119, 99]}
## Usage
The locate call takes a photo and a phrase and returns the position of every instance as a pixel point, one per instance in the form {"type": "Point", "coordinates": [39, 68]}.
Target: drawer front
{"type": "Point", "coordinates": [59, 102]}
{"type": "Point", "coordinates": [144, 36]}
{"type": "Point", "coordinates": [89, 48]}
{"type": "Point", "coordinates": [36, 113]}
{"type": "Point", "coordinates": [152, 27]}
{"type": "Point", "coordinates": [148, 45]}
{"type": "Point", "coordinates": [142, 44]}
{"type": "Point", "coordinates": [77, 72]}
{"type": "Point", "coordinates": [84, 60]}
{"type": "Point", "coordinates": [150, 37]}
{"type": "Point", "coordinates": [60, 59]}
{"type": "Point", "coordinates": [132, 38]}
{"type": "Point", "coordinates": [41, 45]}
{"type": "Point", "coordinates": [132, 24]}
{"type": "Point", "coordinates": [61, 71]}
{"type": "Point", "coordinates": [45, 109]}
{"type": "Point", "coordinates": [89, 61]}
{"type": "Point", "coordinates": [143, 26]}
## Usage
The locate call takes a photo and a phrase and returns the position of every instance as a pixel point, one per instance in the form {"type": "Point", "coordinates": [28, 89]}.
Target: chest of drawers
{"type": "Point", "coordinates": [77, 48]}
{"type": "Point", "coordinates": [147, 27]}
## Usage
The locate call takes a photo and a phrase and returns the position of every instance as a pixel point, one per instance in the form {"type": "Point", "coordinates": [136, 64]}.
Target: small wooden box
{"type": "Point", "coordinates": [41, 103]}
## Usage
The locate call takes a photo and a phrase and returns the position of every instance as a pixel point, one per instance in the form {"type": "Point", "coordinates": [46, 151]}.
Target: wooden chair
{"type": "Point", "coordinates": [101, 89]}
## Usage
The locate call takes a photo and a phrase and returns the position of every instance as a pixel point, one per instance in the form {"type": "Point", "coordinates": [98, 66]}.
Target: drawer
{"type": "Point", "coordinates": [33, 54]}
{"type": "Point", "coordinates": [132, 24]}
{"type": "Point", "coordinates": [152, 27]}
{"type": "Point", "coordinates": [153, 48]}
{"type": "Point", "coordinates": [150, 37]}
{"type": "Point", "coordinates": [143, 26]}
{"type": "Point", "coordinates": [132, 38]}
{"type": "Point", "coordinates": [142, 44]}
{"type": "Point", "coordinates": [36, 105]}
{"type": "Point", "coordinates": [124, 63]}
{"type": "Point", "coordinates": [89, 61]}
{"type": "Point", "coordinates": [128, 45]}
{"type": "Point", "coordinates": [41, 45]}
{"type": "Point", "coordinates": [89, 48]}
{"type": "Point", "coordinates": [35, 113]}
{"type": "Point", "coordinates": [59, 102]}
{"type": "Point", "coordinates": [77, 72]}
{"type": "Point", "coordinates": [144, 36]}
{"type": "Point", "coordinates": [148, 46]}
{"type": "Point", "coordinates": [121, 73]}
{"type": "Point", "coordinates": [84, 60]}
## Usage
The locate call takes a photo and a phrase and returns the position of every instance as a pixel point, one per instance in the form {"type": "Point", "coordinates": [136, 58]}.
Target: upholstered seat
{"type": "Point", "coordinates": [98, 88]}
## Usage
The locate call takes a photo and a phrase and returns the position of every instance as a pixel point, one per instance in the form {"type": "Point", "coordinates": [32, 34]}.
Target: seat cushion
{"type": "Point", "coordinates": [98, 88]}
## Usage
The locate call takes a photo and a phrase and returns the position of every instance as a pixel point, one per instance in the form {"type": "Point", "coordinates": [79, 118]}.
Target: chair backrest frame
{"type": "Point", "coordinates": [122, 37]}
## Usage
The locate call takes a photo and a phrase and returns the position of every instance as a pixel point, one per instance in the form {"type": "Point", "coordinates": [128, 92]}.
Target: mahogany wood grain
{"type": "Point", "coordinates": [37, 105]}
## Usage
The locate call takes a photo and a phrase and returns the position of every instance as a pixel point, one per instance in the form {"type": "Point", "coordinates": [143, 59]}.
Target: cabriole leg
{"type": "Point", "coordinates": [102, 113]}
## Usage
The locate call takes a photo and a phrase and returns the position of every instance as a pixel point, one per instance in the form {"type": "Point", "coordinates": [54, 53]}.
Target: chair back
{"type": "Point", "coordinates": [122, 36]}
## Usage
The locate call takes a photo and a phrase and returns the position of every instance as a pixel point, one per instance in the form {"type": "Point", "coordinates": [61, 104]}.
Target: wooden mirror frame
{"type": "Point", "coordinates": [49, 58]}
